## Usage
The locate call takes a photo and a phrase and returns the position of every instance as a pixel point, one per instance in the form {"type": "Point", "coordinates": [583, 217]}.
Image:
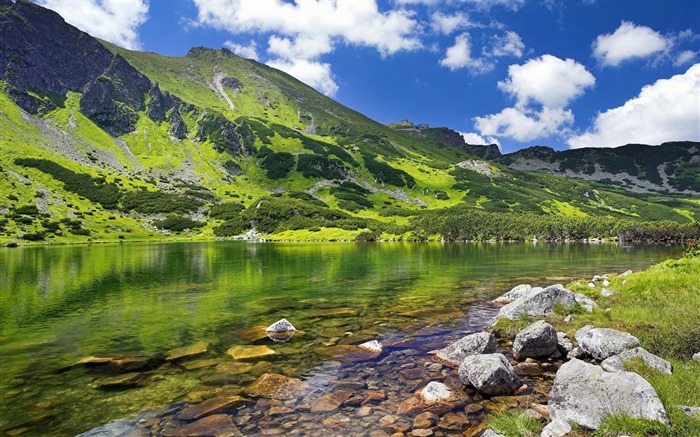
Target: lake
{"type": "Point", "coordinates": [61, 304]}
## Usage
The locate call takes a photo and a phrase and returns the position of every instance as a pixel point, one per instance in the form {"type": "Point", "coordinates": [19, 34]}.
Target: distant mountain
{"type": "Point", "coordinates": [672, 167]}
{"type": "Point", "coordinates": [103, 143]}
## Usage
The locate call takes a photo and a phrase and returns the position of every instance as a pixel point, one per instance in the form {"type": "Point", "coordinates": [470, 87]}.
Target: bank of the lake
{"type": "Point", "coordinates": [125, 312]}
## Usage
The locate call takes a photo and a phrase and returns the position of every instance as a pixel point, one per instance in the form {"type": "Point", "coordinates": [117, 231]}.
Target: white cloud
{"type": "Point", "coordinates": [476, 139]}
{"type": "Point", "coordinates": [667, 110]}
{"type": "Point", "coordinates": [250, 51]}
{"type": "Point", "coordinates": [355, 22]}
{"type": "Point", "coordinates": [509, 44]}
{"type": "Point", "coordinates": [113, 20]}
{"type": "Point", "coordinates": [685, 57]}
{"type": "Point", "coordinates": [459, 56]}
{"type": "Point", "coordinates": [547, 80]}
{"type": "Point", "coordinates": [629, 41]}
{"type": "Point", "coordinates": [312, 73]}
{"type": "Point", "coordinates": [447, 24]}
{"type": "Point", "coordinates": [524, 125]}
{"type": "Point", "coordinates": [513, 5]}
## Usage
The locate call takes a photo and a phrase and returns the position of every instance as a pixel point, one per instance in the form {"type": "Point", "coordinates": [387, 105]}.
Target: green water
{"type": "Point", "coordinates": [59, 304]}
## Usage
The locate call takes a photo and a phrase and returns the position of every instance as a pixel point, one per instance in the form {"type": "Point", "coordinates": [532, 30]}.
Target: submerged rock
{"type": "Point", "coordinates": [217, 425]}
{"type": "Point", "coordinates": [347, 353]}
{"type": "Point", "coordinates": [199, 348]}
{"type": "Point", "coordinates": [210, 406]}
{"type": "Point", "coordinates": [127, 363]}
{"type": "Point", "coordinates": [329, 402]}
{"type": "Point", "coordinates": [616, 363]}
{"type": "Point", "coordinates": [435, 397]}
{"type": "Point", "coordinates": [583, 393]}
{"type": "Point", "coordinates": [473, 344]}
{"type": "Point", "coordinates": [126, 380]}
{"type": "Point", "coordinates": [537, 340]}
{"type": "Point", "coordinates": [490, 374]}
{"type": "Point", "coordinates": [274, 386]}
{"type": "Point", "coordinates": [250, 352]}
{"type": "Point", "coordinates": [601, 343]}
{"type": "Point", "coordinates": [373, 346]}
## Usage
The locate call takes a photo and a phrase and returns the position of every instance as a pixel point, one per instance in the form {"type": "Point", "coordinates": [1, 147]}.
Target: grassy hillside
{"type": "Point", "coordinates": [222, 145]}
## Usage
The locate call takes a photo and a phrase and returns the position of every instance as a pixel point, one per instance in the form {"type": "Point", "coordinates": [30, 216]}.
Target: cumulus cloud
{"type": "Point", "coordinates": [476, 139]}
{"type": "Point", "coordinates": [547, 80]}
{"type": "Point", "coordinates": [305, 30]}
{"type": "Point", "coordinates": [629, 41]}
{"type": "Point", "coordinates": [509, 44]}
{"type": "Point", "coordinates": [523, 124]}
{"type": "Point", "coordinates": [312, 73]}
{"type": "Point", "coordinates": [448, 23]}
{"type": "Point", "coordinates": [459, 56]}
{"type": "Point", "coordinates": [355, 22]}
{"type": "Point", "coordinates": [113, 20]}
{"type": "Point", "coordinates": [667, 110]}
{"type": "Point", "coordinates": [542, 88]}
{"type": "Point", "coordinates": [250, 51]}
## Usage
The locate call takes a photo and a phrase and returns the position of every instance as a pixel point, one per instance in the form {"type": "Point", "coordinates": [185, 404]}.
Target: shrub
{"type": "Point", "coordinates": [177, 223]}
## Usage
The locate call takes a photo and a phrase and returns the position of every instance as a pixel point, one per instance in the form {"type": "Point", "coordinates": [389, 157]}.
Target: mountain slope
{"type": "Point", "coordinates": [136, 145]}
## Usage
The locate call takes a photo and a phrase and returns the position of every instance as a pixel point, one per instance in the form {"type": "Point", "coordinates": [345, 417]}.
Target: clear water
{"type": "Point", "coordinates": [60, 304]}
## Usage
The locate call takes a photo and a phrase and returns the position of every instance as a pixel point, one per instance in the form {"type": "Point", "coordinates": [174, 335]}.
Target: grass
{"type": "Point", "coordinates": [513, 423]}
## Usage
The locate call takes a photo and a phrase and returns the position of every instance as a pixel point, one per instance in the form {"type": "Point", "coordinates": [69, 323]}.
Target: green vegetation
{"type": "Point", "coordinates": [514, 423]}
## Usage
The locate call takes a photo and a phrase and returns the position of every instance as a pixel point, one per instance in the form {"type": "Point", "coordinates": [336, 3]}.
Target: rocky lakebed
{"type": "Point", "coordinates": [442, 379]}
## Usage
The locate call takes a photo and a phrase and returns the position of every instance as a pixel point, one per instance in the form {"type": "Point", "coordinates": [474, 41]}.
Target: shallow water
{"type": "Point", "coordinates": [61, 304]}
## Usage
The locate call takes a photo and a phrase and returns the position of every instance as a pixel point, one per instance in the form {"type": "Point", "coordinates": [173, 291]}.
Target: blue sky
{"type": "Point", "coordinates": [561, 73]}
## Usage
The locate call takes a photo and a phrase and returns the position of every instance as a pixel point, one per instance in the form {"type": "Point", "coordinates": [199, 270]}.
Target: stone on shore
{"type": "Point", "coordinates": [490, 374]}
{"type": "Point", "coordinates": [536, 341]}
{"type": "Point", "coordinates": [556, 428]}
{"type": "Point", "coordinates": [586, 302]}
{"type": "Point", "coordinates": [583, 393]}
{"type": "Point", "coordinates": [536, 304]}
{"type": "Point", "coordinates": [516, 292]}
{"type": "Point", "coordinates": [564, 344]}
{"type": "Point", "coordinates": [616, 363]}
{"type": "Point", "coordinates": [373, 346]}
{"type": "Point", "coordinates": [696, 356]}
{"type": "Point", "coordinates": [473, 344]}
{"type": "Point", "coordinates": [601, 343]}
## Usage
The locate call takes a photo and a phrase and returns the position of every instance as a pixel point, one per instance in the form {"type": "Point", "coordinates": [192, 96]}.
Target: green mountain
{"type": "Point", "coordinates": [105, 144]}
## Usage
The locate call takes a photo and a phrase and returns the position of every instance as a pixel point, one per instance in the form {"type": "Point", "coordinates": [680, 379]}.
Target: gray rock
{"type": "Point", "coordinates": [601, 343]}
{"type": "Point", "coordinates": [696, 356]}
{"type": "Point", "coordinates": [568, 318]}
{"type": "Point", "coordinates": [516, 292]}
{"type": "Point", "coordinates": [491, 433]}
{"type": "Point", "coordinates": [480, 343]}
{"type": "Point", "coordinates": [575, 353]}
{"type": "Point", "coordinates": [537, 340]}
{"type": "Point", "coordinates": [490, 374]}
{"type": "Point", "coordinates": [616, 363]}
{"type": "Point", "coordinates": [692, 412]}
{"type": "Point", "coordinates": [606, 293]}
{"type": "Point", "coordinates": [563, 343]}
{"type": "Point", "coordinates": [583, 393]}
{"type": "Point", "coordinates": [556, 428]}
{"type": "Point", "coordinates": [281, 325]}
{"type": "Point", "coordinates": [627, 273]}
{"type": "Point", "coordinates": [537, 303]}
{"type": "Point", "coordinates": [587, 303]}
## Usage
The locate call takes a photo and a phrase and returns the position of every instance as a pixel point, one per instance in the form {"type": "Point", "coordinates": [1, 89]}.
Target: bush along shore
{"type": "Point", "coordinates": [616, 354]}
